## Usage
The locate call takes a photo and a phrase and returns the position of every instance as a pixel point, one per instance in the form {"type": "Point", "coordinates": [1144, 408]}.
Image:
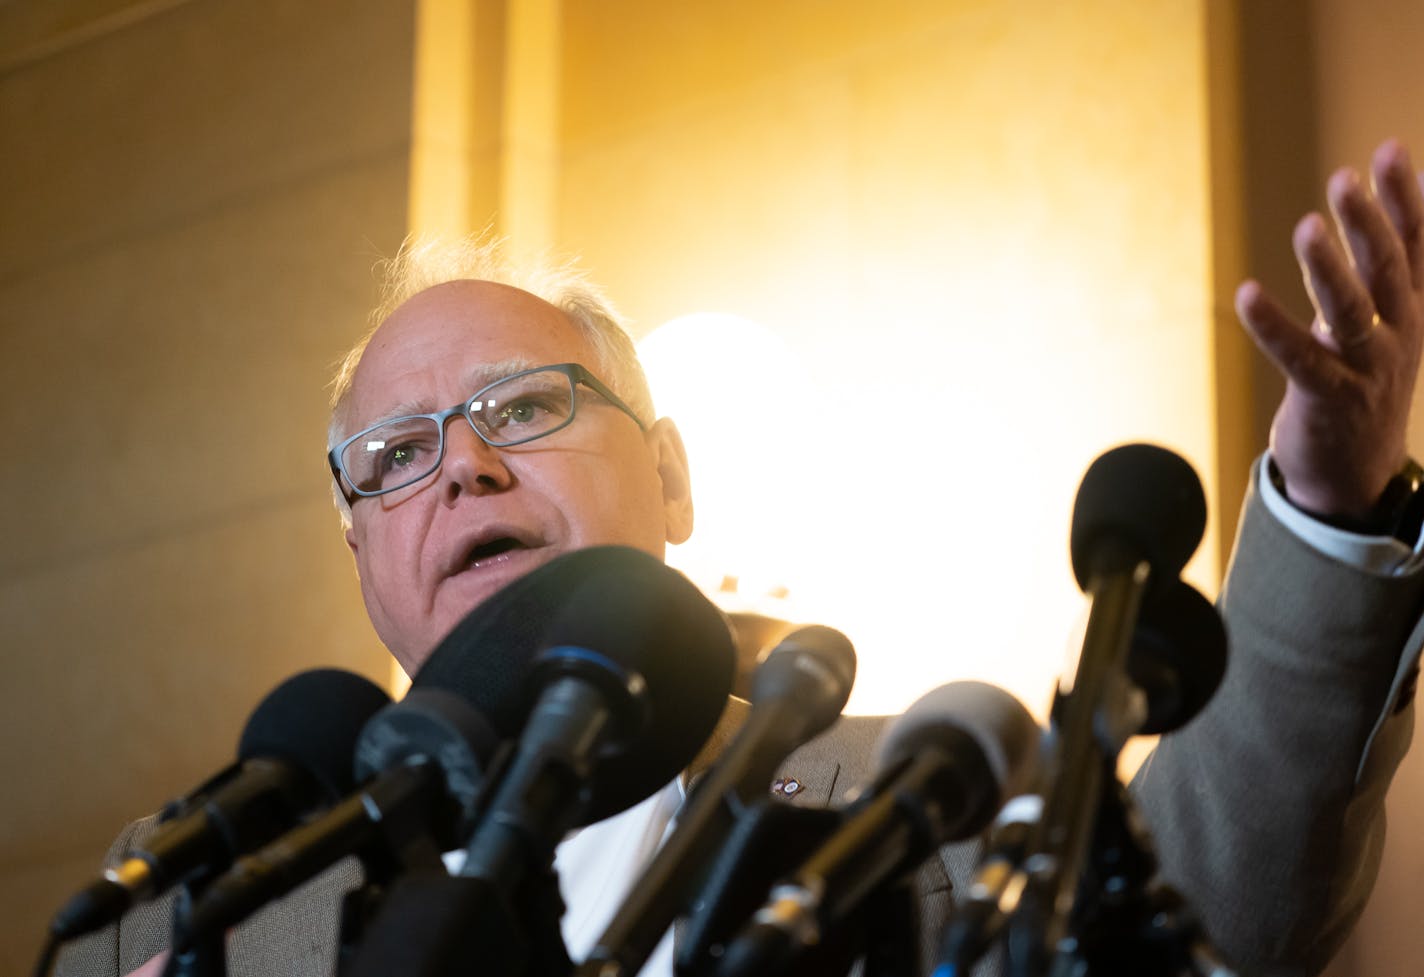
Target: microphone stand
{"type": "Point", "coordinates": [892, 930]}
{"type": "Point", "coordinates": [195, 953]}
{"type": "Point", "coordinates": [412, 917]}
{"type": "Point", "coordinates": [433, 924]}
{"type": "Point", "coordinates": [1125, 919]}
{"type": "Point", "coordinates": [1093, 720]}
{"type": "Point", "coordinates": [767, 839]}
{"type": "Point", "coordinates": [1109, 914]}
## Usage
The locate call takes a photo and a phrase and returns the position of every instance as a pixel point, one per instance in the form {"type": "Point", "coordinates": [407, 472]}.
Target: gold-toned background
{"type": "Point", "coordinates": [989, 239]}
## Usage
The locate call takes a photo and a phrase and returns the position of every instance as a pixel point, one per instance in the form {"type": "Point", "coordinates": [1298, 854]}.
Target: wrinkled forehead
{"type": "Point", "coordinates": [448, 341]}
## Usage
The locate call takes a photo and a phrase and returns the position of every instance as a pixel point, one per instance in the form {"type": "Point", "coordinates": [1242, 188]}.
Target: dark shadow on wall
{"type": "Point", "coordinates": [1282, 171]}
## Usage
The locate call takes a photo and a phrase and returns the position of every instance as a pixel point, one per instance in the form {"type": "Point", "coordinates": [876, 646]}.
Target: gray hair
{"type": "Point", "coordinates": [423, 263]}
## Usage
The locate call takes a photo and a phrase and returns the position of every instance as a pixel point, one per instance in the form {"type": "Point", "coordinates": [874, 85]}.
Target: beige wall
{"type": "Point", "coordinates": [1032, 206]}
{"type": "Point", "coordinates": [193, 195]}
{"type": "Point", "coordinates": [983, 231]}
{"type": "Point", "coordinates": [1369, 83]}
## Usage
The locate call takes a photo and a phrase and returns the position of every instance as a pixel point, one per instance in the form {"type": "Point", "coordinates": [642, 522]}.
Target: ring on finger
{"type": "Point", "coordinates": [1348, 342]}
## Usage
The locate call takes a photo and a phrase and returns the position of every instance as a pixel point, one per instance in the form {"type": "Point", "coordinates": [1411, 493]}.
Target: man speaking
{"type": "Point", "coordinates": [493, 421]}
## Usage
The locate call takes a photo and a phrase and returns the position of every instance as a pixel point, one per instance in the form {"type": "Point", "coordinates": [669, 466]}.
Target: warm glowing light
{"type": "Point", "coordinates": [978, 282]}
{"type": "Point", "coordinates": [958, 281]}
{"type": "Point", "coordinates": [897, 505]}
{"type": "Point", "coordinates": [746, 409]}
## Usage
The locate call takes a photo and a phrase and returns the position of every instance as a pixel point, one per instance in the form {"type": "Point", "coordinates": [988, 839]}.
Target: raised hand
{"type": "Point", "coordinates": [1339, 433]}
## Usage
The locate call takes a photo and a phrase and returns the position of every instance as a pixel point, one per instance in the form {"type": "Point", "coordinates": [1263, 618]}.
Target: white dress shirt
{"type": "Point", "coordinates": [1384, 555]}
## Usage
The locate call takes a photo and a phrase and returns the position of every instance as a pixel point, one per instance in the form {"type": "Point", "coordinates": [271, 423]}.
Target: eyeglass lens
{"type": "Point", "coordinates": [512, 411]}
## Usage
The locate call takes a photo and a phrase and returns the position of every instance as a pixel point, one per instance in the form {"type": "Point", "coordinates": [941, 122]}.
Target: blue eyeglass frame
{"type": "Point", "coordinates": [576, 373]}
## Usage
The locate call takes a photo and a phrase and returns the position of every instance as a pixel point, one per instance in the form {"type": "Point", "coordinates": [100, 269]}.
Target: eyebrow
{"type": "Point", "coordinates": [476, 379]}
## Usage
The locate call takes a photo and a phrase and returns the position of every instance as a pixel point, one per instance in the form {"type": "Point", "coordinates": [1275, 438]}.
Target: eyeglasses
{"type": "Point", "coordinates": [521, 407]}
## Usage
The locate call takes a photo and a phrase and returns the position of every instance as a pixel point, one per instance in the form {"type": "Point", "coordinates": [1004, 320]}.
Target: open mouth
{"type": "Point", "coordinates": [492, 548]}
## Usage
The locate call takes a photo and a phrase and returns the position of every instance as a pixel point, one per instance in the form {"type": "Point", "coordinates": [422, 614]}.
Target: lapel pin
{"type": "Point", "coordinates": [786, 787]}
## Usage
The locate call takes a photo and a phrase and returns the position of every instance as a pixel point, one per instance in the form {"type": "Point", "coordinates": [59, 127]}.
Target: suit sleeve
{"type": "Point", "coordinates": [294, 936]}
{"type": "Point", "coordinates": [145, 931]}
{"type": "Point", "coordinates": [1268, 809]}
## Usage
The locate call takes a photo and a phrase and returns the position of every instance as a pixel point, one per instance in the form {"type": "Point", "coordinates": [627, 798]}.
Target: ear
{"type": "Point", "coordinates": [351, 542]}
{"type": "Point", "coordinates": [665, 442]}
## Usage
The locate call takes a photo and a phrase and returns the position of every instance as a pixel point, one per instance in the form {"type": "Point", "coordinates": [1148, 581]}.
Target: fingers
{"type": "Point", "coordinates": [1398, 189]}
{"type": "Point", "coordinates": [1340, 296]}
{"type": "Point", "coordinates": [1289, 344]}
{"type": "Point", "coordinates": [1368, 277]}
{"type": "Point", "coordinates": [1375, 246]}
{"type": "Point", "coordinates": [153, 968]}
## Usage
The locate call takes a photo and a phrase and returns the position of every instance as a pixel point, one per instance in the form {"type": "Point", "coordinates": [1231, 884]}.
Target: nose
{"type": "Point", "coordinates": [471, 466]}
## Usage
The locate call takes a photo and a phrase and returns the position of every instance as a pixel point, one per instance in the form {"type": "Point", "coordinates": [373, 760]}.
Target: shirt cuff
{"type": "Point", "coordinates": [1383, 555]}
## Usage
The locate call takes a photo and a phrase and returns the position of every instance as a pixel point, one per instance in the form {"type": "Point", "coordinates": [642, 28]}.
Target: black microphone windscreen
{"type": "Point", "coordinates": [651, 620]}
{"type": "Point", "coordinates": [487, 656]}
{"type": "Point", "coordinates": [969, 715]}
{"type": "Point", "coordinates": [313, 720]}
{"type": "Point", "coordinates": [1143, 498]}
{"type": "Point", "coordinates": [1178, 656]}
{"type": "Point", "coordinates": [625, 605]}
{"type": "Point", "coordinates": [439, 727]}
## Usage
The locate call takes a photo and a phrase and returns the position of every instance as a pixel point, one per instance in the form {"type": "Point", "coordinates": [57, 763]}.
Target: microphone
{"type": "Point", "coordinates": [1139, 514]}
{"type": "Point", "coordinates": [294, 756]}
{"type": "Point", "coordinates": [796, 693]}
{"type": "Point", "coordinates": [993, 891]}
{"type": "Point", "coordinates": [422, 762]}
{"type": "Point", "coordinates": [607, 642]}
{"type": "Point", "coordinates": [654, 621]}
{"type": "Point", "coordinates": [1177, 658]}
{"type": "Point", "coordinates": [1137, 503]}
{"type": "Point", "coordinates": [945, 767]}
{"type": "Point", "coordinates": [635, 669]}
